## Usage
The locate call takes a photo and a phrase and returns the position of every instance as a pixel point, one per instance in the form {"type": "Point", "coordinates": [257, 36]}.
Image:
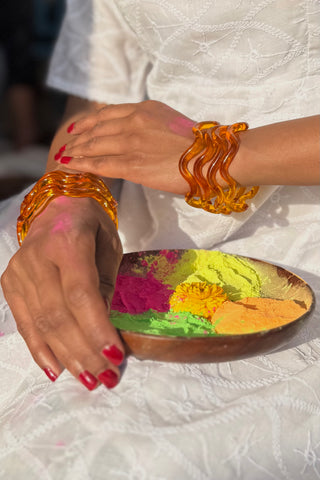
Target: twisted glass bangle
{"type": "Point", "coordinates": [215, 145]}
{"type": "Point", "coordinates": [57, 183]}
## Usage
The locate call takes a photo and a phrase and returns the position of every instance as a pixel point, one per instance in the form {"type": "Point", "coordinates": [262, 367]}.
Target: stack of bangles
{"type": "Point", "coordinates": [215, 147]}
{"type": "Point", "coordinates": [56, 184]}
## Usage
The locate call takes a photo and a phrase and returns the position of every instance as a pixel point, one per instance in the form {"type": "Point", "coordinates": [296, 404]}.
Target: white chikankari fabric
{"type": "Point", "coordinates": [258, 418]}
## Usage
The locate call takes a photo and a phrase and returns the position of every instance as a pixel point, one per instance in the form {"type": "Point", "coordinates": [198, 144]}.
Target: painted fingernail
{"type": "Point", "coordinates": [62, 149]}
{"type": "Point", "coordinates": [71, 127]}
{"type": "Point", "coordinates": [50, 374]}
{"type": "Point", "coordinates": [57, 155]}
{"type": "Point", "coordinates": [88, 380]}
{"type": "Point", "coordinates": [65, 160]}
{"type": "Point", "coordinates": [113, 354]}
{"type": "Point", "coordinates": [108, 378]}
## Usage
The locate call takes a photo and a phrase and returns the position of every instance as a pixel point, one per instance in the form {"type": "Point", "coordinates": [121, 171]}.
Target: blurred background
{"type": "Point", "coordinates": [29, 111]}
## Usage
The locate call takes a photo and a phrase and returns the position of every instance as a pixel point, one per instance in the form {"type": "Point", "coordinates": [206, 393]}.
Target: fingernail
{"type": "Point", "coordinates": [50, 374]}
{"type": "Point", "coordinates": [71, 127]}
{"type": "Point", "coordinates": [108, 378]}
{"type": "Point", "coordinates": [113, 354]}
{"type": "Point", "coordinates": [65, 159]}
{"type": "Point", "coordinates": [88, 380]}
{"type": "Point", "coordinates": [57, 155]}
{"type": "Point", "coordinates": [62, 149]}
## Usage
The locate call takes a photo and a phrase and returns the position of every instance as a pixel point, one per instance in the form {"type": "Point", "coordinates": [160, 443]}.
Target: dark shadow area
{"type": "Point", "coordinates": [29, 111]}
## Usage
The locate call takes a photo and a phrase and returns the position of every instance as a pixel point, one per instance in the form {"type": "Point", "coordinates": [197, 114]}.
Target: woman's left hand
{"type": "Point", "coordinates": [139, 142]}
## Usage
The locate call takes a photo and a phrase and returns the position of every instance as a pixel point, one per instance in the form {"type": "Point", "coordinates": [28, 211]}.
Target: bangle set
{"type": "Point", "coordinates": [58, 183]}
{"type": "Point", "coordinates": [215, 146]}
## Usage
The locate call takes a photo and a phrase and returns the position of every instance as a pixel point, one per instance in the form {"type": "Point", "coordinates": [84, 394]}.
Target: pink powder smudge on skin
{"type": "Point", "coordinates": [138, 294]}
{"type": "Point", "coordinates": [181, 125]}
{"type": "Point", "coordinates": [62, 224]}
{"type": "Point", "coordinates": [1, 334]}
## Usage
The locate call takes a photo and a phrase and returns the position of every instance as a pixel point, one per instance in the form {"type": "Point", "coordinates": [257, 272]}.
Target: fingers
{"type": "Point", "coordinates": [112, 166]}
{"type": "Point", "coordinates": [111, 112]}
{"type": "Point", "coordinates": [39, 349]}
{"type": "Point", "coordinates": [92, 145]}
{"type": "Point", "coordinates": [82, 294]}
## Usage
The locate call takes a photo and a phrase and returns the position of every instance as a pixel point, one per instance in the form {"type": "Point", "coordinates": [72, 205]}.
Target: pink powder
{"type": "Point", "coordinates": [181, 125]}
{"type": "Point", "coordinates": [171, 255]}
{"type": "Point", "coordinates": [138, 294]}
{"type": "Point", "coordinates": [63, 223]}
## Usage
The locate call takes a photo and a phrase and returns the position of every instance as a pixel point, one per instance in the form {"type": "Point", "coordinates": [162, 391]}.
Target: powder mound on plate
{"type": "Point", "coordinates": [198, 298]}
{"type": "Point", "coordinates": [254, 315]}
{"type": "Point", "coordinates": [139, 294]}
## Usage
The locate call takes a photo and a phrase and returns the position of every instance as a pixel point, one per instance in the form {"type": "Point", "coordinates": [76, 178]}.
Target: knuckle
{"type": "Point", "coordinates": [5, 282]}
{"type": "Point", "coordinates": [53, 321]}
{"type": "Point", "coordinates": [13, 264]}
{"type": "Point", "coordinates": [140, 117]}
{"type": "Point", "coordinates": [91, 144]}
{"type": "Point", "coordinates": [24, 330]}
{"type": "Point", "coordinates": [78, 296]}
{"type": "Point", "coordinates": [41, 323]}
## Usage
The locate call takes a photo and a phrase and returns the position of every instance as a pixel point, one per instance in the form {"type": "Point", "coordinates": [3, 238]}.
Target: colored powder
{"type": "Point", "coordinates": [140, 294]}
{"type": "Point", "coordinates": [254, 315]}
{"type": "Point", "coordinates": [198, 298]}
{"type": "Point", "coordinates": [160, 265]}
{"type": "Point", "coordinates": [234, 274]}
{"type": "Point", "coordinates": [168, 324]}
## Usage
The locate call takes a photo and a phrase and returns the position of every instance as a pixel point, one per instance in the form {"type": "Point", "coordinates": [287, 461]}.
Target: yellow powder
{"type": "Point", "coordinates": [198, 298]}
{"type": "Point", "coordinates": [236, 275]}
{"type": "Point", "coordinates": [254, 315]}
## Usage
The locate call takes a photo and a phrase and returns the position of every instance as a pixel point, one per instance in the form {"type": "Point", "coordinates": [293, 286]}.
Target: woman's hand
{"type": "Point", "coordinates": [139, 142]}
{"type": "Point", "coordinates": [56, 286]}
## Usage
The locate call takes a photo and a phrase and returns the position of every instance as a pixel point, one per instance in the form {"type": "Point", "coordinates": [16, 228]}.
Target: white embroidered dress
{"type": "Point", "coordinates": [254, 61]}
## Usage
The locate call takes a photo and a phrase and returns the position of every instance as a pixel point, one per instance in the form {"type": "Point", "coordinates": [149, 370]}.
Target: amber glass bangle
{"type": "Point", "coordinates": [57, 183]}
{"type": "Point", "coordinates": [216, 146]}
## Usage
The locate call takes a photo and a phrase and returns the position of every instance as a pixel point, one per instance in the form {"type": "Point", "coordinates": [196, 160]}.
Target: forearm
{"type": "Point", "coordinates": [286, 153]}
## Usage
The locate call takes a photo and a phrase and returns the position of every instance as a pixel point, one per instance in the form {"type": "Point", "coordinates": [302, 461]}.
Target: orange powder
{"type": "Point", "coordinates": [254, 315]}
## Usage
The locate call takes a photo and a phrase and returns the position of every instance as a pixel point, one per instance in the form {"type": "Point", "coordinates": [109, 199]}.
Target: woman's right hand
{"type": "Point", "coordinates": [58, 286]}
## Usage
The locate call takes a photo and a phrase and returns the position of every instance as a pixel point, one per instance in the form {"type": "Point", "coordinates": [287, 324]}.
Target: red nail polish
{"type": "Point", "coordinates": [65, 160]}
{"type": "Point", "coordinates": [88, 380]}
{"type": "Point", "coordinates": [50, 374]}
{"type": "Point", "coordinates": [57, 155]}
{"type": "Point", "coordinates": [113, 354]}
{"type": "Point", "coordinates": [108, 378]}
{"type": "Point", "coordinates": [70, 128]}
{"type": "Point", "coordinates": [62, 149]}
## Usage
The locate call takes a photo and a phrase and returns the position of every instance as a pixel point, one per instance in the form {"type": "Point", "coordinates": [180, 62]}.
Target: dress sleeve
{"type": "Point", "coordinates": [97, 55]}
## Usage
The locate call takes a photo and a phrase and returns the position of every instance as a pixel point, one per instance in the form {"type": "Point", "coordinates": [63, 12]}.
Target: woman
{"type": "Point", "coordinates": [196, 62]}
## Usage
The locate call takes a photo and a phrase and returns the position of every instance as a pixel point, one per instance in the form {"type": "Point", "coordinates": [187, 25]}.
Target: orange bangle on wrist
{"type": "Point", "coordinates": [57, 183]}
{"type": "Point", "coordinates": [217, 146]}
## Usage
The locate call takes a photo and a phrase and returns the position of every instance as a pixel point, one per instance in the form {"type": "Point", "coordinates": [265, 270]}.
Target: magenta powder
{"type": "Point", "coordinates": [139, 294]}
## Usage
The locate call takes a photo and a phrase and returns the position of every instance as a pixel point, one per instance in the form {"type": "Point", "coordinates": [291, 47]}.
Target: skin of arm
{"type": "Point", "coordinates": [143, 142]}
{"type": "Point", "coordinates": [59, 284]}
